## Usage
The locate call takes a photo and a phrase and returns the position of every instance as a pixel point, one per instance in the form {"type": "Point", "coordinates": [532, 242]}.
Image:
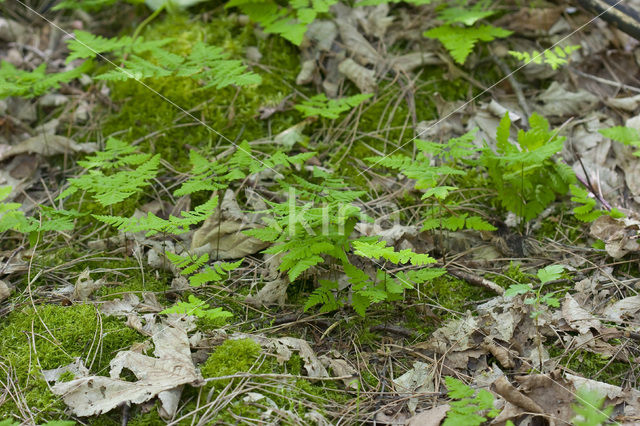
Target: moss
{"type": "Point", "coordinates": [594, 366]}
{"type": "Point", "coordinates": [53, 336]}
{"type": "Point", "coordinates": [452, 294]}
{"type": "Point", "coordinates": [231, 357]}
{"type": "Point", "coordinates": [228, 111]}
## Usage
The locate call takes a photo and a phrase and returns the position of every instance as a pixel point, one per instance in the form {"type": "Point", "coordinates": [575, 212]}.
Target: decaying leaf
{"type": "Point", "coordinates": [420, 380]}
{"type": "Point", "coordinates": [577, 317]}
{"type": "Point", "coordinates": [5, 290]}
{"type": "Point", "coordinates": [48, 145]}
{"type": "Point", "coordinates": [362, 77]}
{"type": "Point", "coordinates": [161, 376]}
{"type": "Point", "coordinates": [85, 286]}
{"type": "Point", "coordinates": [558, 101]}
{"type": "Point", "coordinates": [221, 234]}
{"type": "Point", "coordinates": [619, 235]}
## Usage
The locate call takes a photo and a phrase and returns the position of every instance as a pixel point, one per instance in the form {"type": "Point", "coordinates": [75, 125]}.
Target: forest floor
{"type": "Point", "coordinates": [318, 213]}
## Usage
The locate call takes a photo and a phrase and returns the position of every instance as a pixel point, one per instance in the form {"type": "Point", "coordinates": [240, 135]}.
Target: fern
{"type": "Point", "coordinates": [624, 135]}
{"type": "Point", "coordinates": [324, 296]}
{"type": "Point", "coordinates": [379, 249]}
{"type": "Point", "coordinates": [330, 108]}
{"type": "Point", "coordinates": [148, 59]}
{"type": "Point", "coordinates": [29, 84]}
{"type": "Point", "coordinates": [190, 264]}
{"type": "Point", "coordinates": [290, 23]}
{"type": "Point", "coordinates": [553, 57]}
{"type": "Point", "coordinates": [10, 216]}
{"type": "Point", "coordinates": [587, 211]}
{"type": "Point", "coordinates": [471, 408]}
{"type": "Point", "coordinates": [198, 308]}
{"type": "Point", "coordinates": [107, 185]}
{"type": "Point", "coordinates": [526, 178]}
{"type": "Point", "coordinates": [460, 41]}
{"type": "Point", "coordinates": [89, 5]}
{"type": "Point", "coordinates": [213, 175]}
{"type": "Point", "coordinates": [152, 224]}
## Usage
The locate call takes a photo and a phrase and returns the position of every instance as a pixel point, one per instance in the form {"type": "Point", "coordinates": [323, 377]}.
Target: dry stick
{"type": "Point", "coordinates": [476, 280]}
{"type": "Point", "coordinates": [517, 88]}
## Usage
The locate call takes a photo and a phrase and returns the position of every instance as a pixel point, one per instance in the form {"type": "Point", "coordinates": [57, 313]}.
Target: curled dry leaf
{"type": "Point", "coordinates": [619, 235]}
{"type": "Point", "coordinates": [362, 77]}
{"type": "Point", "coordinates": [48, 145]}
{"type": "Point", "coordinates": [85, 286]}
{"type": "Point", "coordinates": [5, 290]}
{"type": "Point", "coordinates": [420, 379]}
{"type": "Point", "coordinates": [577, 317]}
{"type": "Point", "coordinates": [160, 376]}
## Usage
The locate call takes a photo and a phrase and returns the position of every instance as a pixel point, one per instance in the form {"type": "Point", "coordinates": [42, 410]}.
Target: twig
{"type": "Point", "coordinates": [476, 280]}
{"type": "Point", "coordinates": [517, 88]}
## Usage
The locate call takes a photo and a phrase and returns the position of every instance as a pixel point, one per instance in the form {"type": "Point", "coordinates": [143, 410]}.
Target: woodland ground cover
{"type": "Point", "coordinates": [314, 212]}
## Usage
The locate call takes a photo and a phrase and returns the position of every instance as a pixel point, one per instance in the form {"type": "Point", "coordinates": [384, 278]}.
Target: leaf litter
{"type": "Point", "coordinates": [495, 347]}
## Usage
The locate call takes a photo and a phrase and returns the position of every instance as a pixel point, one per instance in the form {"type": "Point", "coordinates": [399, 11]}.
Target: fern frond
{"type": "Point", "coordinates": [554, 58]}
{"type": "Point", "coordinates": [152, 224]}
{"type": "Point", "coordinates": [330, 108]}
{"type": "Point", "coordinates": [198, 308]}
{"type": "Point", "coordinates": [215, 273]}
{"type": "Point", "coordinates": [29, 84]}
{"type": "Point", "coordinates": [380, 250]}
{"type": "Point", "coordinates": [459, 41]}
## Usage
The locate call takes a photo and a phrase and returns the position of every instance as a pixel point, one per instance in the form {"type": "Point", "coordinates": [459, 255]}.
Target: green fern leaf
{"type": "Point", "coordinates": [198, 308]}
{"type": "Point", "coordinates": [459, 41]}
{"type": "Point", "coordinates": [330, 108]}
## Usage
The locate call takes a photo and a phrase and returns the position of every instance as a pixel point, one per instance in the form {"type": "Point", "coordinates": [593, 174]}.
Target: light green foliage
{"type": "Point", "coordinates": [29, 84]}
{"type": "Point", "coordinates": [9, 422]}
{"type": "Point", "coordinates": [198, 308]}
{"type": "Point", "coordinates": [460, 40]}
{"type": "Point", "coordinates": [553, 57]}
{"type": "Point", "coordinates": [436, 179]}
{"type": "Point", "coordinates": [147, 59]}
{"type": "Point", "coordinates": [49, 218]}
{"type": "Point", "coordinates": [588, 409]}
{"type": "Point", "coordinates": [213, 175]}
{"type": "Point", "coordinates": [289, 23]}
{"type": "Point", "coordinates": [330, 108]}
{"type": "Point", "coordinates": [152, 224]}
{"type": "Point", "coordinates": [377, 2]}
{"type": "Point", "coordinates": [90, 5]}
{"type": "Point", "coordinates": [587, 211]}
{"type": "Point", "coordinates": [471, 408]}
{"type": "Point", "coordinates": [107, 185]}
{"type": "Point", "coordinates": [379, 250]}
{"type": "Point", "coordinates": [525, 176]}
{"type": "Point", "coordinates": [10, 216]}
{"type": "Point", "coordinates": [624, 135]}
{"type": "Point", "coordinates": [545, 275]}
{"type": "Point", "coordinates": [190, 264]}
{"type": "Point", "coordinates": [321, 226]}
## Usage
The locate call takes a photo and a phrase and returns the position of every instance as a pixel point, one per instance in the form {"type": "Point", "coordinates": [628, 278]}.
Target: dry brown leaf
{"type": "Point", "coordinates": [85, 286]}
{"type": "Point", "coordinates": [577, 317]}
{"type": "Point", "coordinates": [160, 376]}
{"type": "Point", "coordinates": [362, 77]}
{"type": "Point", "coordinates": [629, 307]}
{"type": "Point", "coordinates": [48, 145]}
{"type": "Point", "coordinates": [431, 417]}
{"type": "Point", "coordinates": [5, 290]}
{"type": "Point", "coordinates": [221, 233]}
{"type": "Point", "coordinates": [619, 235]}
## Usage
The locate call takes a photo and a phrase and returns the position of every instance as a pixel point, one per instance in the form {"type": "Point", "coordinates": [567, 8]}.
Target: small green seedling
{"type": "Point", "coordinates": [545, 275]}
